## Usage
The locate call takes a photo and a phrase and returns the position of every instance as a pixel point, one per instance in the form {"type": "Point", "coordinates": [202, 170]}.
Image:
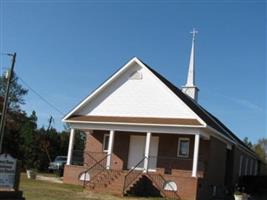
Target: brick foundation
{"type": "Point", "coordinates": [72, 173]}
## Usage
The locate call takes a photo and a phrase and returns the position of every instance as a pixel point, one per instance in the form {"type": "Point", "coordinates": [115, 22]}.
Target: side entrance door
{"type": "Point", "coordinates": [137, 152]}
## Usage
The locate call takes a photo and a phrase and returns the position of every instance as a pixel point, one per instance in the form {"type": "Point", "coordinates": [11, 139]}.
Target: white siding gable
{"type": "Point", "coordinates": [136, 95]}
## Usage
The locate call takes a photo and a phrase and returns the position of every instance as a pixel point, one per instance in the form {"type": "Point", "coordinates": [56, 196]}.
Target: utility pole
{"type": "Point", "coordinates": [5, 104]}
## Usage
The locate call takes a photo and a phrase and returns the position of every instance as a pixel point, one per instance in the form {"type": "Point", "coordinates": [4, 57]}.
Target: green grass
{"type": "Point", "coordinates": [42, 190]}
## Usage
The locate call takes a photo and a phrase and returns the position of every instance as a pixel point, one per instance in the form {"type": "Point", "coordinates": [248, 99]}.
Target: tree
{"type": "Point", "coordinates": [247, 142]}
{"type": "Point", "coordinates": [28, 141]}
{"type": "Point", "coordinates": [17, 92]}
{"type": "Point", "coordinates": [36, 147]}
{"type": "Point", "coordinates": [15, 116]}
{"type": "Point", "coordinates": [261, 149]}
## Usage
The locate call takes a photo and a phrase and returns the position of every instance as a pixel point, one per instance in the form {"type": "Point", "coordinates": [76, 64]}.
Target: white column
{"type": "Point", "coordinates": [110, 148]}
{"type": "Point", "coordinates": [71, 144]}
{"type": "Point", "coordinates": [195, 158]}
{"type": "Point", "coordinates": [147, 147]}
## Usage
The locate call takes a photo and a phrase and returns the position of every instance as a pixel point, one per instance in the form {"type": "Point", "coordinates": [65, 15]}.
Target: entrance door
{"type": "Point", "coordinates": [137, 152]}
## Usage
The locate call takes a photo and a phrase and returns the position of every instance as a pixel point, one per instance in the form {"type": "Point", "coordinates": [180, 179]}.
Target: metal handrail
{"type": "Point", "coordinates": [173, 162]}
{"type": "Point", "coordinates": [88, 154]}
{"type": "Point", "coordinates": [86, 158]}
{"type": "Point", "coordinates": [94, 167]}
{"type": "Point", "coordinates": [128, 179]}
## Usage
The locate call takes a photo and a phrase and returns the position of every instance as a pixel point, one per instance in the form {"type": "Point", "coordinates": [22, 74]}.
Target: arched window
{"type": "Point", "coordinates": [84, 176]}
{"type": "Point", "coordinates": [170, 186]}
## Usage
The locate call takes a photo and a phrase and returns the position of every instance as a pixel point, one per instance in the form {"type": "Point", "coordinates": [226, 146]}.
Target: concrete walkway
{"type": "Point", "coordinates": [49, 179]}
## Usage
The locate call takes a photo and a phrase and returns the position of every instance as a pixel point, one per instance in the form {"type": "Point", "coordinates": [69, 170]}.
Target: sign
{"type": "Point", "coordinates": [7, 171]}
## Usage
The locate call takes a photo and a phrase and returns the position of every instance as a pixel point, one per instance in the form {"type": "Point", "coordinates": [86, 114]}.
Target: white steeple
{"type": "Point", "coordinates": [190, 88]}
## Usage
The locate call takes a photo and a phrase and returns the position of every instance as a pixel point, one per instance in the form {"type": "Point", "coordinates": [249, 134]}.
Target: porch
{"type": "Point", "coordinates": [128, 157]}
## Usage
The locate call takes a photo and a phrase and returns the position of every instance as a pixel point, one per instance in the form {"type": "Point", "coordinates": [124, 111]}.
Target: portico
{"type": "Point", "coordinates": [143, 144]}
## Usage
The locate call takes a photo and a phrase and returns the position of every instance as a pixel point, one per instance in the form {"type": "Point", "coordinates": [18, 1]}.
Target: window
{"type": "Point", "coordinates": [170, 186]}
{"type": "Point", "coordinates": [85, 176]}
{"type": "Point", "coordinates": [105, 142]}
{"type": "Point", "coordinates": [183, 147]}
{"type": "Point", "coordinates": [246, 169]}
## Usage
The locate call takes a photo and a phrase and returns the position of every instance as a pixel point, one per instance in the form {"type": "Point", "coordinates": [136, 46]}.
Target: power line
{"type": "Point", "coordinates": [40, 96]}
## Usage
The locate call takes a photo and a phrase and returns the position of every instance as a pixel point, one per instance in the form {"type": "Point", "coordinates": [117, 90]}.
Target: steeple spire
{"type": "Point", "coordinates": [190, 88]}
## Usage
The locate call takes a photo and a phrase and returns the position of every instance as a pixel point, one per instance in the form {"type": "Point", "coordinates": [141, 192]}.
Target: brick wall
{"type": "Point", "coordinates": [72, 174]}
{"type": "Point", "coordinates": [236, 165]}
{"type": "Point", "coordinates": [94, 143]}
{"type": "Point", "coordinates": [167, 149]}
{"type": "Point", "coordinates": [186, 186]}
{"type": "Point", "coordinates": [181, 170]}
{"type": "Point", "coordinates": [215, 171]}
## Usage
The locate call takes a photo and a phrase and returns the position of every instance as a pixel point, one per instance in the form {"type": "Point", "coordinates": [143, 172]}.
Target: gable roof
{"type": "Point", "coordinates": [210, 119]}
{"type": "Point", "coordinates": [203, 114]}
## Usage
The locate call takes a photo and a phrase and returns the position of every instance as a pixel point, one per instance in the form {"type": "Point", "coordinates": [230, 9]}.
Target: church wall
{"type": "Point", "coordinates": [244, 164]}
{"type": "Point", "coordinates": [214, 175]}
{"type": "Point", "coordinates": [211, 168]}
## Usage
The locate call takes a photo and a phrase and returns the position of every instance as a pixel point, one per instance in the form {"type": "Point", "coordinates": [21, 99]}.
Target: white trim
{"type": "Point", "coordinates": [241, 158]}
{"type": "Point", "coordinates": [99, 89]}
{"type": "Point", "coordinates": [231, 141]}
{"type": "Point", "coordinates": [104, 142]}
{"type": "Point", "coordinates": [134, 124]}
{"type": "Point", "coordinates": [195, 157]}
{"type": "Point", "coordinates": [179, 145]}
{"type": "Point", "coordinates": [116, 75]}
{"type": "Point", "coordinates": [110, 148]}
{"type": "Point", "coordinates": [135, 128]}
{"type": "Point", "coordinates": [71, 144]}
{"type": "Point", "coordinates": [221, 135]}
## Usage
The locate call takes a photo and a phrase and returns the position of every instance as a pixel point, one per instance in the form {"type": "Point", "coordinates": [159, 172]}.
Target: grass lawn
{"type": "Point", "coordinates": [42, 190]}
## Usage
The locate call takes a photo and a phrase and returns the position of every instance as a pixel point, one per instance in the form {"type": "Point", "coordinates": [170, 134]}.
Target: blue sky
{"type": "Point", "coordinates": [65, 49]}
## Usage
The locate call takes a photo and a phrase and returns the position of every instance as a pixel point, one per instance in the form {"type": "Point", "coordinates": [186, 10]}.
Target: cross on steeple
{"type": "Point", "coordinates": [190, 88]}
{"type": "Point", "coordinates": [194, 32]}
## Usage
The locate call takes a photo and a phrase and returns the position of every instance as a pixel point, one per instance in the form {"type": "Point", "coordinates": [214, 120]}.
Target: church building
{"type": "Point", "coordinates": [145, 136]}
